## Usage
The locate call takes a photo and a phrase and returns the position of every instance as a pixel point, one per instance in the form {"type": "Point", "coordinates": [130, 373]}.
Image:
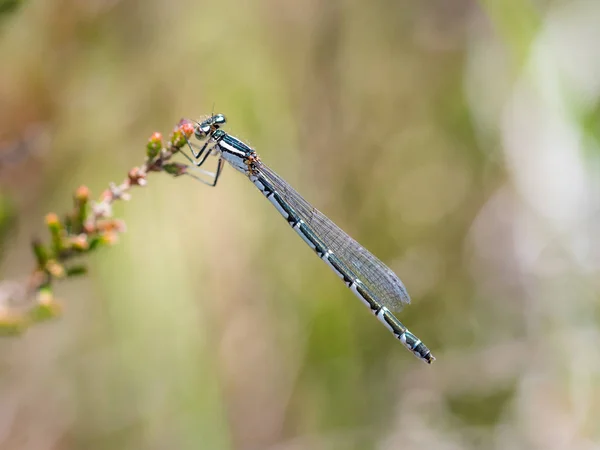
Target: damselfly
{"type": "Point", "coordinates": [367, 277]}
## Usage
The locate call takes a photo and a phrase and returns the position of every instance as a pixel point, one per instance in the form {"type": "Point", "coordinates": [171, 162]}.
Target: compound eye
{"type": "Point", "coordinates": [198, 133]}
{"type": "Point", "coordinates": [202, 130]}
{"type": "Point", "coordinates": [219, 119]}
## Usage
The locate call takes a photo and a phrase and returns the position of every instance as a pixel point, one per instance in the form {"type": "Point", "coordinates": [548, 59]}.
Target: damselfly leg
{"type": "Point", "coordinates": [214, 175]}
{"type": "Point", "coordinates": [187, 141]}
{"type": "Point", "coordinates": [205, 152]}
{"type": "Point", "coordinates": [194, 168]}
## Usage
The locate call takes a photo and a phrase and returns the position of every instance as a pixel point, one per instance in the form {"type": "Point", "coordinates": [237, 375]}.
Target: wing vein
{"type": "Point", "coordinates": [378, 277]}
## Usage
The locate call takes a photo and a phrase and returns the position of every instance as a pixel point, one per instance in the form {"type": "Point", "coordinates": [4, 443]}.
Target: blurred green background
{"type": "Point", "coordinates": [457, 140]}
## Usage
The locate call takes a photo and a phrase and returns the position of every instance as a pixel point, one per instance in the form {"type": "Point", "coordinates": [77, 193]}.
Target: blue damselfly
{"type": "Point", "coordinates": [367, 277]}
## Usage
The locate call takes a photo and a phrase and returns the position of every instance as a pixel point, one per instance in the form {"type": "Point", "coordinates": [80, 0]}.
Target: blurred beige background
{"type": "Point", "coordinates": [457, 140]}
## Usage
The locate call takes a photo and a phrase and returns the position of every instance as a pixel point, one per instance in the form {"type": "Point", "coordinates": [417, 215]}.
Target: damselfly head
{"type": "Point", "coordinates": [209, 126]}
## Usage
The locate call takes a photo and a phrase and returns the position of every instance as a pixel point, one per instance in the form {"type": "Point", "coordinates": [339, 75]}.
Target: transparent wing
{"type": "Point", "coordinates": [378, 277]}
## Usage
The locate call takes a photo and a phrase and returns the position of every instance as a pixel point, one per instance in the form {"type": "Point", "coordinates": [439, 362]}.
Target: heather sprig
{"type": "Point", "coordinates": [87, 227]}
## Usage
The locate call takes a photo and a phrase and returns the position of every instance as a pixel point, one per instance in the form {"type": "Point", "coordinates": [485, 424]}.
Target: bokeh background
{"type": "Point", "coordinates": [457, 140]}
